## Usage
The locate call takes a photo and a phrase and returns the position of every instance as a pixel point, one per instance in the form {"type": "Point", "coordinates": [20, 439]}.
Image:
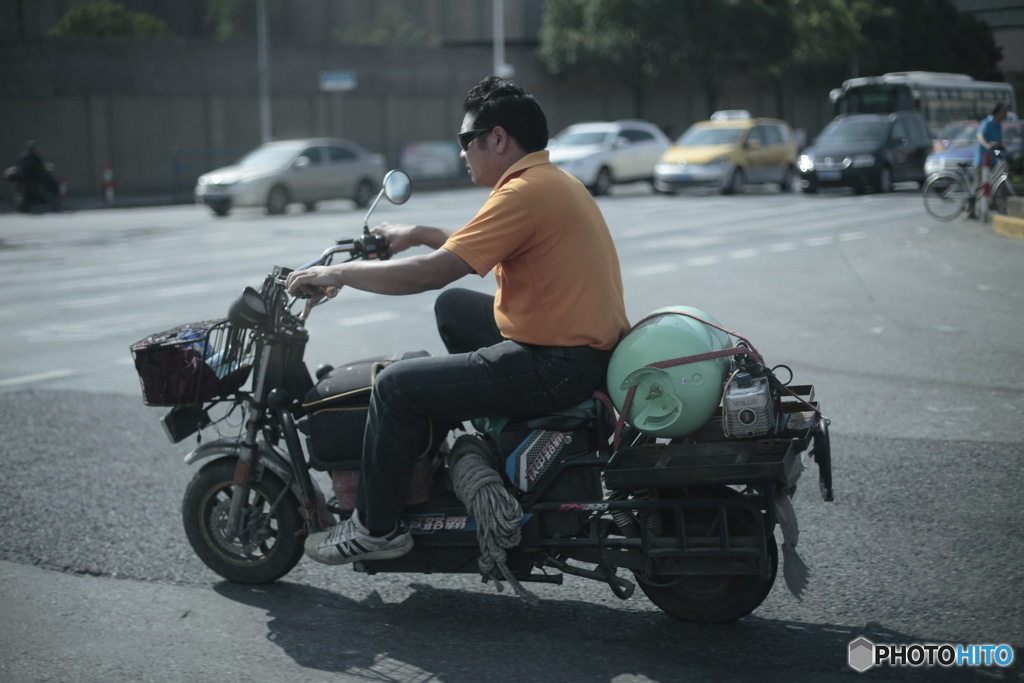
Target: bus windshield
{"type": "Point", "coordinates": [875, 99]}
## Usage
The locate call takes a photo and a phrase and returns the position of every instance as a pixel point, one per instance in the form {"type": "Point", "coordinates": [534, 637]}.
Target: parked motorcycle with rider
{"type": "Point", "coordinates": [676, 477]}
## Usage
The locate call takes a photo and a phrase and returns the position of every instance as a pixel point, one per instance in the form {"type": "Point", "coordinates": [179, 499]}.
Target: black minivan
{"type": "Point", "coordinates": [867, 151]}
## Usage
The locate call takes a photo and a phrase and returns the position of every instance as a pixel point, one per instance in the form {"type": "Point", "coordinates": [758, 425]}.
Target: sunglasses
{"type": "Point", "coordinates": [470, 135]}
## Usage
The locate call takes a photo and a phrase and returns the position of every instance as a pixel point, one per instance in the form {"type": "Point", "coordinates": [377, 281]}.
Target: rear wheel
{"type": "Point", "coordinates": [270, 544]}
{"type": "Point", "coordinates": [788, 180]}
{"type": "Point", "coordinates": [945, 196]}
{"type": "Point", "coordinates": [712, 598]}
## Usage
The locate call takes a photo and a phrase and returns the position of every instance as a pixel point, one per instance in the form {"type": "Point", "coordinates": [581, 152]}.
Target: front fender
{"type": "Point", "coordinates": [226, 448]}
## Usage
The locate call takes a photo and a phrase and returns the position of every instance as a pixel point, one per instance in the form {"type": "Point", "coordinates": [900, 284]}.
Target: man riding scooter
{"type": "Point", "coordinates": [542, 343]}
{"type": "Point", "coordinates": [33, 181]}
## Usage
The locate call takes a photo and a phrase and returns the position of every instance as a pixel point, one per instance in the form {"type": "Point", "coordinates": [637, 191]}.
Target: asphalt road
{"type": "Point", "coordinates": [910, 330]}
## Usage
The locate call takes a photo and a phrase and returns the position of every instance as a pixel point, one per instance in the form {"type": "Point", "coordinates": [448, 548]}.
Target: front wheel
{"type": "Point", "coordinates": [602, 183]}
{"type": "Point", "coordinates": [884, 180]}
{"type": "Point", "coordinates": [945, 196]}
{"type": "Point", "coordinates": [999, 201]}
{"type": "Point", "coordinates": [277, 200]}
{"type": "Point", "coordinates": [711, 599]}
{"type": "Point", "coordinates": [736, 182]}
{"type": "Point", "coordinates": [363, 195]}
{"type": "Point", "coordinates": [270, 544]}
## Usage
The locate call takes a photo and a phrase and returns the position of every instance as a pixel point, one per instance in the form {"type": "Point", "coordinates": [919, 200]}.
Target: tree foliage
{"type": "Point", "coordinates": [390, 29]}
{"type": "Point", "coordinates": [927, 35]}
{"type": "Point", "coordinates": [107, 19]}
{"type": "Point", "coordinates": [629, 40]}
{"type": "Point", "coordinates": [633, 41]}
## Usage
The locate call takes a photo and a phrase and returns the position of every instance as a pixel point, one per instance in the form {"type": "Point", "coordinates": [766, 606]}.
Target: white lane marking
{"type": "Point", "coordinates": [184, 290]}
{"type": "Point", "coordinates": [703, 261]}
{"type": "Point", "coordinates": [87, 303]}
{"type": "Point", "coordinates": [819, 241]}
{"type": "Point", "coordinates": [368, 319]}
{"type": "Point", "coordinates": [744, 253]}
{"type": "Point", "coordinates": [38, 377]}
{"type": "Point", "coordinates": [783, 246]}
{"type": "Point", "coordinates": [655, 269]}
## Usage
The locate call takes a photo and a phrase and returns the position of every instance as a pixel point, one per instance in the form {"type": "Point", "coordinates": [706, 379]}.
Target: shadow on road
{"type": "Point", "coordinates": [460, 637]}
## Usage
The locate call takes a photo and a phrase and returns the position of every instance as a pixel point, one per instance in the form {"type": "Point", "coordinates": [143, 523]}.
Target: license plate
{"type": "Point", "coordinates": [829, 175]}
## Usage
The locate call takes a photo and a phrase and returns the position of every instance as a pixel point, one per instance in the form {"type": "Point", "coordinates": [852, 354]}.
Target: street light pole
{"type": "Point", "coordinates": [266, 126]}
{"type": "Point", "coordinates": [501, 69]}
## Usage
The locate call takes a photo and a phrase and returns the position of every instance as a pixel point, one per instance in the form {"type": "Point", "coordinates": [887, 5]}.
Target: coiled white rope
{"type": "Point", "coordinates": [497, 513]}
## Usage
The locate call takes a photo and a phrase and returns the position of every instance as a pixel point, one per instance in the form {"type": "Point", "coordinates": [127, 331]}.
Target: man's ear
{"type": "Point", "coordinates": [501, 139]}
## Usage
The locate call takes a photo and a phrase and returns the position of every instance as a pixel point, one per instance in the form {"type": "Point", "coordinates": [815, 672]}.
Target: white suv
{"type": "Point", "coordinates": [604, 153]}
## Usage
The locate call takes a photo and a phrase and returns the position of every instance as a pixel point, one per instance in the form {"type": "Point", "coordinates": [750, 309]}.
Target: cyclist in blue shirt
{"type": "Point", "coordinates": [990, 134]}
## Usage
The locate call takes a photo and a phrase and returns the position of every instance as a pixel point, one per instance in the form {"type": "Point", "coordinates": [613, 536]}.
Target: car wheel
{"type": "Point", "coordinates": [277, 200]}
{"type": "Point", "coordinates": [220, 212]}
{"type": "Point", "coordinates": [310, 207]}
{"type": "Point", "coordinates": [603, 182]}
{"type": "Point", "coordinates": [810, 187]}
{"type": "Point", "coordinates": [735, 184]}
{"type": "Point", "coordinates": [788, 178]}
{"type": "Point", "coordinates": [885, 180]}
{"type": "Point", "coordinates": [364, 194]}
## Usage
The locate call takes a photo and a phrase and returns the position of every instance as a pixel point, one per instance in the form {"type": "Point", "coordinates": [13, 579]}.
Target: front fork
{"type": "Point", "coordinates": [273, 404]}
{"type": "Point", "coordinates": [252, 458]}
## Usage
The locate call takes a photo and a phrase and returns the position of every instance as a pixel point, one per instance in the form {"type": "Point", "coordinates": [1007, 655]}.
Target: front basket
{"type": "Point", "coordinates": [193, 363]}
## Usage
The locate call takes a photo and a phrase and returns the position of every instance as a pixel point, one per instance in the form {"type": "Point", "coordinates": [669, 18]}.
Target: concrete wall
{"type": "Point", "coordinates": [163, 112]}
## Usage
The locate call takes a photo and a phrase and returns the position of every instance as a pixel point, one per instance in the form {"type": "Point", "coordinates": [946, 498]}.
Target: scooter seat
{"type": "Point", "coordinates": [565, 420]}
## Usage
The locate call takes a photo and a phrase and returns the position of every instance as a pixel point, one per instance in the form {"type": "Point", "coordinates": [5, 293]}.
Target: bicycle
{"type": "Point", "coordinates": [947, 194]}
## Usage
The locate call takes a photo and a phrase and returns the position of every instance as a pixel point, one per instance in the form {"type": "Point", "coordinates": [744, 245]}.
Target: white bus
{"type": "Point", "coordinates": [939, 97]}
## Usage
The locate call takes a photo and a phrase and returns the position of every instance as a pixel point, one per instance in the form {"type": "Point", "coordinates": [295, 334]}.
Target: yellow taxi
{"type": "Point", "coordinates": [728, 152]}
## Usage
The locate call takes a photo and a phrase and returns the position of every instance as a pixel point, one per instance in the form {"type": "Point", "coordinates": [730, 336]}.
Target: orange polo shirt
{"type": "Point", "coordinates": [556, 267]}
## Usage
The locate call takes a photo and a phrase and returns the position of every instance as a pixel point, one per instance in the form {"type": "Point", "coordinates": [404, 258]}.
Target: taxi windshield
{"type": "Point", "coordinates": [696, 137]}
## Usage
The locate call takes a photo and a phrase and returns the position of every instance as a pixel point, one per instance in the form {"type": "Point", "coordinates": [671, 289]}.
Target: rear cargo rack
{"type": "Point", "coordinates": [708, 457]}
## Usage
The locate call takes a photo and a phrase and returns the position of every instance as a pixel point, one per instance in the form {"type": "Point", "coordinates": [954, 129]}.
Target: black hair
{"type": "Point", "coordinates": [999, 108]}
{"type": "Point", "coordinates": [497, 102]}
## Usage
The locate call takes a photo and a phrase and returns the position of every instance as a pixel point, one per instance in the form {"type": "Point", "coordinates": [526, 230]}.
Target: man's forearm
{"type": "Point", "coordinates": [427, 236]}
{"type": "Point", "coordinates": [404, 275]}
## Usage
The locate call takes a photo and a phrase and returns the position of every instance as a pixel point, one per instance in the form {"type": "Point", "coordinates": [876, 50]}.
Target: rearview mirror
{"type": "Point", "coordinates": [397, 187]}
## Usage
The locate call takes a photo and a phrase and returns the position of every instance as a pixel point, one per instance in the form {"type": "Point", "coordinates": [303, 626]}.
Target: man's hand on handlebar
{"type": "Point", "coordinates": [398, 235]}
{"type": "Point", "coordinates": [314, 283]}
{"type": "Point", "coordinates": [402, 236]}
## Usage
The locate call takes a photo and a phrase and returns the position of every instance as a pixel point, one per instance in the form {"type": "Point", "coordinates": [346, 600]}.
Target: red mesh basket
{"type": "Point", "coordinates": [193, 363]}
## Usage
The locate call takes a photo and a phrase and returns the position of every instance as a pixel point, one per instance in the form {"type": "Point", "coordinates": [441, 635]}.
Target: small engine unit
{"type": "Point", "coordinates": [747, 406]}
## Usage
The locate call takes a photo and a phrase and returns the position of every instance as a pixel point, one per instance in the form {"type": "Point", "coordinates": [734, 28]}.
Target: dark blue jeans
{"type": "Point", "coordinates": [484, 375]}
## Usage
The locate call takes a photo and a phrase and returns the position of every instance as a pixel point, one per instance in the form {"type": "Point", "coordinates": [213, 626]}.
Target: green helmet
{"type": "Point", "coordinates": [676, 401]}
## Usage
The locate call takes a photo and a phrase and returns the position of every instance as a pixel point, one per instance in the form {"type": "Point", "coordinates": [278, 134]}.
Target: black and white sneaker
{"type": "Point", "coordinates": [350, 541]}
